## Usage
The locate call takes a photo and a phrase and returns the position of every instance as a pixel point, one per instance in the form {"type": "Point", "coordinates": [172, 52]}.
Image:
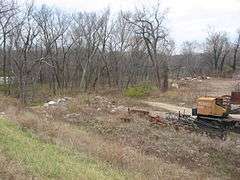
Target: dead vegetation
{"type": "Point", "coordinates": [88, 124]}
{"type": "Point", "coordinates": [47, 53]}
{"type": "Point", "coordinates": [56, 129]}
{"type": "Point", "coordinates": [10, 169]}
{"type": "Point", "coordinates": [105, 129]}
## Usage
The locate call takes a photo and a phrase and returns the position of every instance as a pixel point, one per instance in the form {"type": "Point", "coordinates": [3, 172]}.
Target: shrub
{"type": "Point", "coordinates": [138, 91]}
{"type": "Point", "coordinates": [4, 88]}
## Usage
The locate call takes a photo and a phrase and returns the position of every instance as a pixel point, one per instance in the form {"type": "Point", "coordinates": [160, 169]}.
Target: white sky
{"type": "Point", "coordinates": [188, 19]}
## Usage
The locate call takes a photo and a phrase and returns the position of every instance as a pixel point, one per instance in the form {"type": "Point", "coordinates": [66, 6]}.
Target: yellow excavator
{"type": "Point", "coordinates": [217, 111]}
{"type": "Point", "coordinates": [212, 106]}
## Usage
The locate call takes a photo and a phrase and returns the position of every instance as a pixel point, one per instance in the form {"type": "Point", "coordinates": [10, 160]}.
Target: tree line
{"type": "Point", "coordinates": [44, 46]}
{"type": "Point", "coordinates": [217, 56]}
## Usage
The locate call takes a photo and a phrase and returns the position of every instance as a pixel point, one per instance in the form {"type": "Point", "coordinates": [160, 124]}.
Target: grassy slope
{"type": "Point", "coordinates": [47, 160]}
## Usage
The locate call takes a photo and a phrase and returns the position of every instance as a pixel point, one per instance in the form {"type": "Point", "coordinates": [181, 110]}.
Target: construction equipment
{"type": "Point", "coordinates": [215, 112]}
{"type": "Point", "coordinates": [213, 107]}
{"type": "Point", "coordinates": [212, 115]}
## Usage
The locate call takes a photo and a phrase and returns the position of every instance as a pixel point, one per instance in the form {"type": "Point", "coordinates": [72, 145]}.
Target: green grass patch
{"type": "Point", "coordinates": [48, 160]}
{"type": "Point", "coordinates": [4, 88]}
{"type": "Point", "coordinates": [138, 91]}
{"type": "Point", "coordinates": [36, 103]}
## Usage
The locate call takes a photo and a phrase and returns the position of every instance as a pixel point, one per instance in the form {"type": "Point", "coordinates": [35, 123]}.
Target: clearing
{"type": "Point", "coordinates": [92, 136]}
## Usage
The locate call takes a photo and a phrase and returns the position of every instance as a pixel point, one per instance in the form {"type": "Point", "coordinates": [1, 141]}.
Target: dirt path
{"type": "Point", "coordinates": [169, 107]}
{"type": "Point", "coordinates": [173, 108]}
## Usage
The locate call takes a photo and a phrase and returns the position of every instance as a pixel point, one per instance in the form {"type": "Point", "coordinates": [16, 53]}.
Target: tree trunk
{"type": "Point", "coordinates": [235, 55]}
{"type": "Point", "coordinates": [165, 77]}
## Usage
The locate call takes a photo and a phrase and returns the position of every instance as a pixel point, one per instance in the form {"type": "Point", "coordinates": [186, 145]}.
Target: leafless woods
{"type": "Point", "coordinates": [43, 46]}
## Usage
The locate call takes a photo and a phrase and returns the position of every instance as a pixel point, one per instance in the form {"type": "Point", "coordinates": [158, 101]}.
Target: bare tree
{"type": "Point", "coordinates": [87, 36]}
{"type": "Point", "coordinates": [235, 52]}
{"type": "Point", "coordinates": [150, 25]}
{"type": "Point", "coordinates": [53, 25]}
{"type": "Point", "coordinates": [217, 48]}
{"type": "Point", "coordinates": [225, 53]}
{"type": "Point", "coordinates": [25, 61]}
{"type": "Point", "coordinates": [48, 46]}
{"type": "Point", "coordinates": [105, 31]}
{"type": "Point", "coordinates": [119, 43]}
{"type": "Point", "coordinates": [190, 57]}
{"type": "Point", "coordinates": [6, 6]}
{"type": "Point", "coordinates": [7, 21]}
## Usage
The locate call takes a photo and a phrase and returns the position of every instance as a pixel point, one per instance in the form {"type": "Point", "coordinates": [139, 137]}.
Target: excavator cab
{"type": "Point", "coordinates": [212, 107]}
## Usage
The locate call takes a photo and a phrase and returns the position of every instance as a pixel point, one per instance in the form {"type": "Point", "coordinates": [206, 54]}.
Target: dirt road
{"type": "Point", "coordinates": [183, 110]}
{"type": "Point", "coordinates": [169, 107]}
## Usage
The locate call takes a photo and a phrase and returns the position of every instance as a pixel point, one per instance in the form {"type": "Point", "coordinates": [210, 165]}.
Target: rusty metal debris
{"type": "Point", "coordinates": [235, 97]}
{"type": "Point", "coordinates": [177, 121]}
{"type": "Point", "coordinates": [126, 119]}
{"type": "Point", "coordinates": [138, 111]}
{"type": "Point", "coordinates": [156, 119]}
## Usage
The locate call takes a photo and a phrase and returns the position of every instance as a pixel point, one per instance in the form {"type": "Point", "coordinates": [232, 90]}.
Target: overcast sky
{"type": "Point", "coordinates": [188, 19]}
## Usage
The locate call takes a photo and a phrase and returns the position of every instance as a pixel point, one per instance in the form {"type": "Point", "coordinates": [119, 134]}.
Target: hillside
{"type": "Point", "coordinates": [94, 137]}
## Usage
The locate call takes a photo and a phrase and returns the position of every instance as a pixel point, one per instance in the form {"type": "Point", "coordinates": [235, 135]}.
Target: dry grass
{"type": "Point", "coordinates": [51, 161]}
{"type": "Point", "coordinates": [10, 169]}
{"type": "Point", "coordinates": [117, 154]}
{"type": "Point", "coordinates": [196, 152]}
{"type": "Point", "coordinates": [138, 147]}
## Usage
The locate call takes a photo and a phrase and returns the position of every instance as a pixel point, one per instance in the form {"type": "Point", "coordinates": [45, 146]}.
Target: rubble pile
{"type": "Point", "coordinates": [72, 118]}
{"type": "Point", "coordinates": [102, 103]}
{"type": "Point", "coordinates": [184, 81]}
{"type": "Point", "coordinates": [173, 120]}
{"type": "Point", "coordinates": [59, 102]}
{"type": "Point", "coordinates": [198, 78]}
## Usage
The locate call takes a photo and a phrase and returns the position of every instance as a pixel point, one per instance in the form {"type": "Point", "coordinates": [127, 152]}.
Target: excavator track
{"type": "Point", "coordinates": [212, 126]}
{"type": "Point", "coordinates": [217, 123]}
